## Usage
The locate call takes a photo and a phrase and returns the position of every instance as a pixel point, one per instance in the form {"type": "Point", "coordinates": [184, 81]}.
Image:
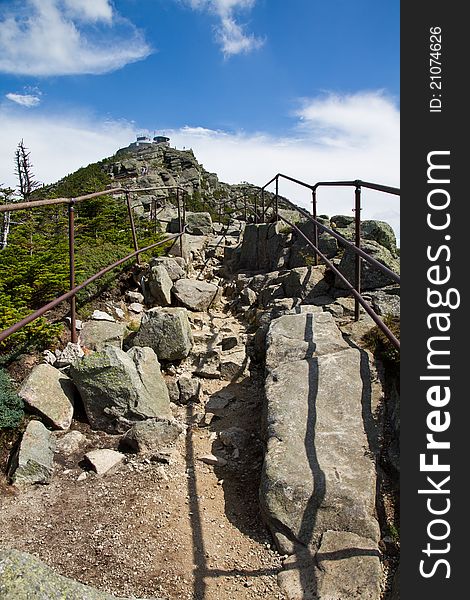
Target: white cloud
{"type": "Point", "coordinates": [352, 120]}
{"type": "Point", "coordinates": [337, 138]}
{"type": "Point", "coordinates": [59, 144]}
{"type": "Point", "coordinates": [28, 100]}
{"type": "Point", "coordinates": [365, 146]}
{"type": "Point", "coordinates": [229, 33]}
{"type": "Point", "coordinates": [90, 10]}
{"type": "Point", "coordinates": [66, 37]}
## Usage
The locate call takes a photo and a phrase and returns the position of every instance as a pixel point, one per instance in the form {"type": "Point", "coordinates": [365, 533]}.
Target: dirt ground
{"type": "Point", "coordinates": [168, 530]}
{"type": "Point", "coordinates": [183, 530]}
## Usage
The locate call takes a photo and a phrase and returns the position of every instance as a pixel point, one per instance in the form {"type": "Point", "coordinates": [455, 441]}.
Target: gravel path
{"type": "Point", "coordinates": [183, 530]}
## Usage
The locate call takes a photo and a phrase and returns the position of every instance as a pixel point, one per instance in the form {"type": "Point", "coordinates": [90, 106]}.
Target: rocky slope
{"type": "Point", "coordinates": [159, 165]}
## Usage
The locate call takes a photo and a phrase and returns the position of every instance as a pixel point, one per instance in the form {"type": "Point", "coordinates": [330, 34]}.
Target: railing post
{"type": "Point", "coordinates": [256, 209]}
{"type": "Point", "coordinates": [276, 202]}
{"type": "Point", "coordinates": [263, 207]}
{"type": "Point", "coordinates": [73, 313]}
{"type": "Point", "coordinates": [180, 221]}
{"type": "Point", "coordinates": [244, 207]}
{"type": "Point", "coordinates": [315, 226]}
{"type": "Point", "coordinates": [357, 210]}
{"type": "Point", "coordinates": [131, 220]}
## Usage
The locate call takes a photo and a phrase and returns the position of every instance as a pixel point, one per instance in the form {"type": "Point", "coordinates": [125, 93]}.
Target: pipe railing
{"type": "Point", "coordinates": [349, 286]}
{"type": "Point", "coordinates": [70, 295]}
{"type": "Point", "coordinates": [253, 208]}
{"type": "Point", "coordinates": [74, 289]}
{"type": "Point", "coordinates": [360, 255]}
{"type": "Point", "coordinates": [181, 193]}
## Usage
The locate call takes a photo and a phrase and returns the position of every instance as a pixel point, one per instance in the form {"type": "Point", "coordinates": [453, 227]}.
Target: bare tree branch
{"type": "Point", "coordinates": [24, 171]}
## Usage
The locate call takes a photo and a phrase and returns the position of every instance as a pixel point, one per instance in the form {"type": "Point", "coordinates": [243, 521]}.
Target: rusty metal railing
{"type": "Point", "coordinates": [246, 206]}
{"type": "Point", "coordinates": [260, 213]}
{"type": "Point", "coordinates": [354, 289]}
{"type": "Point", "coordinates": [74, 289]}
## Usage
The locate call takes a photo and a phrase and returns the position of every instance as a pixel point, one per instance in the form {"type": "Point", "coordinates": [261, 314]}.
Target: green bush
{"type": "Point", "coordinates": [39, 333]}
{"type": "Point", "coordinates": [11, 405]}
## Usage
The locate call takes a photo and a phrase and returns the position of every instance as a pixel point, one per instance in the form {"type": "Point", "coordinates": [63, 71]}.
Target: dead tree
{"type": "Point", "coordinates": [26, 183]}
{"type": "Point", "coordinates": [5, 197]}
{"type": "Point", "coordinates": [24, 170]}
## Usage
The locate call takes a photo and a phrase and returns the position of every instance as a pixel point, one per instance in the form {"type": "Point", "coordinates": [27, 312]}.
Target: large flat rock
{"type": "Point", "coordinates": [49, 393]}
{"type": "Point", "coordinates": [300, 336]}
{"type": "Point", "coordinates": [346, 567]}
{"type": "Point", "coordinates": [318, 473]}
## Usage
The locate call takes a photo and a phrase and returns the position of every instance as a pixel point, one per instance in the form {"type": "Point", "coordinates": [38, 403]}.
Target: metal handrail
{"type": "Point", "coordinates": [14, 206]}
{"type": "Point", "coordinates": [349, 286]}
{"type": "Point", "coordinates": [72, 293]}
{"type": "Point", "coordinates": [345, 242]}
{"type": "Point", "coordinates": [74, 289]}
{"type": "Point", "coordinates": [360, 254]}
{"type": "Point", "coordinates": [358, 184]}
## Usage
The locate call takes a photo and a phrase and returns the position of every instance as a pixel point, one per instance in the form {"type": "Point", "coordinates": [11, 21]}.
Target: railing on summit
{"type": "Point", "coordinates": [354, 289]}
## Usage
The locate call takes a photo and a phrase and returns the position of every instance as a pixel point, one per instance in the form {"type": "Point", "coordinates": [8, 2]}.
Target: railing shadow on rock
{"type": "Point", "coordinates": [181, 202]}
{"type": "Point", "coordinates": [261, 216]}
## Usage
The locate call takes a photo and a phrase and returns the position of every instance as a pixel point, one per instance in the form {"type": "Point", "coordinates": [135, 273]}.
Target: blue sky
{"type": "Point", "coordinates": [310, 87]}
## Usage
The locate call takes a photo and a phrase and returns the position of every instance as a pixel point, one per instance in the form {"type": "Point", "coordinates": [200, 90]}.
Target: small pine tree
{"type": "Point", "coordinates": [11, 405]}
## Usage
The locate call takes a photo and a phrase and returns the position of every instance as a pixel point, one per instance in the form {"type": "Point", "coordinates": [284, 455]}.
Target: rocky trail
{"type": "Point", "coordinates": [221, 431]}
{"type": "Point", "coordinates": [171, 525]}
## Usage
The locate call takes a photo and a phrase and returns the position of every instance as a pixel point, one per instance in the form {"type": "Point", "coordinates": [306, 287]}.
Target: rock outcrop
{"type": "Point", "coordinates": [372, 278]}
{"type": "Point", "coordinates": [167, 331]}
{"type": "Point", "coordinates": [33, 462]}
{"type": "Point", "coordinates": [261, 248]}
{"type": "Point", "coordinates": [49, 393]}
{"type": "Point", "coordinates": [272, 247]}
{"type": "Point", "coordinates": [199, 223]}
{"type": "Point", "coordinates": [118, 388]}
